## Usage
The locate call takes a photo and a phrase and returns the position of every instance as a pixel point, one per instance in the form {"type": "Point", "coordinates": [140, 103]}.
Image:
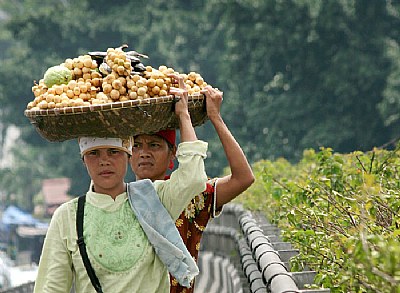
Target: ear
{"type": "Point", "coordinates": [173, 157]}
{"type": "Point", "coordinates": [171, 165]}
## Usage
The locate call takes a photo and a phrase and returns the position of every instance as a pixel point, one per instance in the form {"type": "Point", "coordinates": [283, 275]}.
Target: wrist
{"type": "Point", "coordinates": [215, 117]}
{"type": "Point", "coordinates": [183, 115]}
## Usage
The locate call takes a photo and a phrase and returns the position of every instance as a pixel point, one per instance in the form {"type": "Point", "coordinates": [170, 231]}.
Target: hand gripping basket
{"type": "Point", "coordinates": [119, 119]}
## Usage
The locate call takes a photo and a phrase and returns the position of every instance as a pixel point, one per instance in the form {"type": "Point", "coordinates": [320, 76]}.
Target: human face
{"type": "Point", "coordinates": [107, 168]}
{"type": "Point", "coordinates": [150, 157]}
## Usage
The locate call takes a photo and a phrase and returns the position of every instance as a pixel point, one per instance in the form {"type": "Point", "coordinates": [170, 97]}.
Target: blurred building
{"type": "Point", "coordinates": [55, 193]}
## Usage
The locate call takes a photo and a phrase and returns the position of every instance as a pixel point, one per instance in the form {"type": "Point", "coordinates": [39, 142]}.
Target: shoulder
{"type": "Point", "coordinates": [197, 147]}
{"type": "Point", "coordinates": [66, 208]}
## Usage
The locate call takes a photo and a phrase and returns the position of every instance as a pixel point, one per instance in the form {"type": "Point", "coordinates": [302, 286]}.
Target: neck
{"type": "Point", "coordinates": [112, 192]}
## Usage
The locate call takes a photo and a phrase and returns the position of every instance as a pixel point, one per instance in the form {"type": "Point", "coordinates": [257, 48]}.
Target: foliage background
{"type": "Point", "coordinates": [296, 74]}
{"type": "Point", "coordinates": [341, 211]}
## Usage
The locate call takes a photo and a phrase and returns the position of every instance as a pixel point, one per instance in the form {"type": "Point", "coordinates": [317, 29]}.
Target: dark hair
{"type": "Point", "coordinates": [170, 146]}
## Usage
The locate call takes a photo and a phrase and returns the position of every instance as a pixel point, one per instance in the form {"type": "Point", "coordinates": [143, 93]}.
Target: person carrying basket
{"type": "Point", "coordinates": [124, 245]}
{"type": "Point", "coordinates": [153, 155]}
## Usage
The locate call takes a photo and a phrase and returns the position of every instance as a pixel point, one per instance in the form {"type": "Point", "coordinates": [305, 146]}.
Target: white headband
{"type": "Point", "coordinates": [90, 143]}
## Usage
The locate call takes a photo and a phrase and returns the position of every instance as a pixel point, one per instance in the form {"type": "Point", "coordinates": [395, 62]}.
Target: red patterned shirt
{"type": "Point", "coordinates": [191, 224]}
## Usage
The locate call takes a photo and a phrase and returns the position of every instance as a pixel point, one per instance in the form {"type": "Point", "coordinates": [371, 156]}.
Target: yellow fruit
{"type": "Point", "coordinates": [160, 82]}
{"type": "Point", "coordinates": [77, 91]}
{"type": "Point", "coordinates": [83, 88]}
{"type": "Point", "coordinates": [72, 84]}
{"type": "Point", "coordinates": [30, 105]}
{"type": "Point", "coordinates": [87, 62]}
{"type": "Point", "coordinates": [122, 80]}
{"type": "Point", "coordinates": [141, 82]}
{"type": "Point", "coordinates": [133, 95]}
{"type": "Point", "coordinates": [70, 94]}
{"type": "Point", "coordinates": [86, 70]}
{"type": "Point", "coordinates": [116, 84]}
{"type": "Point", "coordinates": [141, 91]}
{"type": "Point", "coordinates": [64, 103]}
{"type": "Point", "coordinates": [79, 102]}
{"type": "Point", "coordinates": [109, 78]}
{"type": "Point", "coordinates": [136, 77]}
{"type": "Point", "coordinates": [94, 64]}
{"type": "Point", "coordinates": [130, 83]}
{"type": "Point", "coordinates": [87, 76]}
{"type": "Point", "coordinates": [57, 99]}
{"type": "Point", "coordinates": [155, 90]}
{"type": "Point", "coordinates": [69, 63]}
{"type": "Point", "coordinates": [96, 81]}
{"type": "Point", "coordinates": [49, 98]}
{"type": "Point", "coordinates": [122, 90]}
{"type": "Point", "coordinates": [78, 64]}
{"type": "Point", "coordinates": [77, 71]}
{"type": "Point", "coordinates": [114, 94]}
{"type": "Point", "coordinates": [199, 80]}
{"type": "Point", "coordinates": [42, 105]}
{"type": "Point", "coordinates": [121, 70]}
{"type": "Point", "coordinates": [192, 76]}
{"type": "Point", "coordinates": [101, 96]}
{"type": "Point", "coordinates": [107, 88]}
{"type": "Point", "coordinates": [37, 92]}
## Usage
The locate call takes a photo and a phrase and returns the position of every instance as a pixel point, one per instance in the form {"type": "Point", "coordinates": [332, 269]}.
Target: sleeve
{"type": "Point", "coordinates": [215, 211]}
{"type": "Point", "coordinates": [55, 265]}
{"type": "Point", "coordinates": [185, 182]}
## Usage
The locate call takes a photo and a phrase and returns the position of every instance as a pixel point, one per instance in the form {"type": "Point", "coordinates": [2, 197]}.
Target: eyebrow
{"type": "Point", "coordinates": [149, 140]}
{"type": "Point", "coordinates": [107, 149]}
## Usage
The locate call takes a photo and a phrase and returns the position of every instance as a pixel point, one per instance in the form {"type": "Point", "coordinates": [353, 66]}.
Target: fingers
{"type": "Point", "coordinates": [178, 79]}
{"type": "Point", "coordinates": [213, 93]}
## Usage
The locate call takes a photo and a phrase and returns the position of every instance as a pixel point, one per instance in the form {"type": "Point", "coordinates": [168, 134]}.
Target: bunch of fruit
{"type": "Point", "coordinates": [106, 77]}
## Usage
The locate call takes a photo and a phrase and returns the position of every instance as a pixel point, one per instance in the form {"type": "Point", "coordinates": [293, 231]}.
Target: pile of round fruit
{"type": "Point", "coordinates": [106, 77]}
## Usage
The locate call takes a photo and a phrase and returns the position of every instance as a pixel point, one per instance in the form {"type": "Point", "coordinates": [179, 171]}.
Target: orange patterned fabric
{"type": "Point", "coordinates": [191, 224]}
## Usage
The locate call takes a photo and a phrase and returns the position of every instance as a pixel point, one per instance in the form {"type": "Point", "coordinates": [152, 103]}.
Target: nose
{"type": "Point", "coordinates": [144, 154]}
{"type": "Point", "coordinates": [144, 151]}
{"type": "Point", "coordinates": [104, 158]}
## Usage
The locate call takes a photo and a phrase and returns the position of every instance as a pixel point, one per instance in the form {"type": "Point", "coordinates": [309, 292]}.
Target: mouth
{"type": "Point", "coordinates": [106, 173]}
{"type": "Point", "coordinates": [145, 164]}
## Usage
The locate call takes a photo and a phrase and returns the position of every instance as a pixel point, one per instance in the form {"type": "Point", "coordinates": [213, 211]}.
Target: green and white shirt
{"type": "Point", "coordinates": [118, 249]}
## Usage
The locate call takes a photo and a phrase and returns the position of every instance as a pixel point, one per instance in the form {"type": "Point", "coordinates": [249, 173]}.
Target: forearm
{"type": "Point", "coordinates": [237, 160]}
{"type": "Point", "coordinates": [241, 174]}
{"type": "Point", "coordinates": [187, 132]}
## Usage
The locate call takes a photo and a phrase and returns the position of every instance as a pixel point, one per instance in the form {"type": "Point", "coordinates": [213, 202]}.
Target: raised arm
{"type": "Point", "coordinates": [241, 176]}
{"type": "Point", "coordinates": [186, 129]}
{"type": "Point", "coordinates": [189, 179]}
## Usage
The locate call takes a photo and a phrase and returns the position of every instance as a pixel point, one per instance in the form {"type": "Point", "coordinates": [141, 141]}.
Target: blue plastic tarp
{"type": "Point", "coordinates": [15, 216]}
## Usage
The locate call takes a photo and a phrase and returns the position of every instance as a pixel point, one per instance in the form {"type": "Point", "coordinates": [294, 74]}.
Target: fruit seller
{"type": "Point", "coordinates": [153, 155]}
{"type": "Point", "coordinates": [124, 245]}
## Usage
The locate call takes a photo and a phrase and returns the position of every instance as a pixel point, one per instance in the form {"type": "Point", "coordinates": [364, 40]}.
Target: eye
{"type": "Point", "coordinates": [92, 153]}
{"type": "Point", "coordinates": [155, 144]}
{"type": "Point", "coordinates": [136, 145]}
{"type": "Point", "coordinates": [114, 151]}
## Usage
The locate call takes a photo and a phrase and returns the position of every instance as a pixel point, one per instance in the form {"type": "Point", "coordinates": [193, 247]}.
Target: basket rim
{"type": "Point", "coordinates": [108, 106]}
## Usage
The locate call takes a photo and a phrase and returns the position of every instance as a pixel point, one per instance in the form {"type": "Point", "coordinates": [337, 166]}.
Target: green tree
{"type": "Point", "coordinates": [309, 76]}
{"type": "Point", "coordinates": [295, 74]}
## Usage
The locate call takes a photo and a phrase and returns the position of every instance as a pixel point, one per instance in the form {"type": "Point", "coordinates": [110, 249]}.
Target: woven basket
{"type": "Point", "coordinates": [119, 119]}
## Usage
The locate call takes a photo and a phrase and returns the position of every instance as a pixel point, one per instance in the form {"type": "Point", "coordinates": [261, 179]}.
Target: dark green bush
{"type": "Point", "coordinates": [341, 211]}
